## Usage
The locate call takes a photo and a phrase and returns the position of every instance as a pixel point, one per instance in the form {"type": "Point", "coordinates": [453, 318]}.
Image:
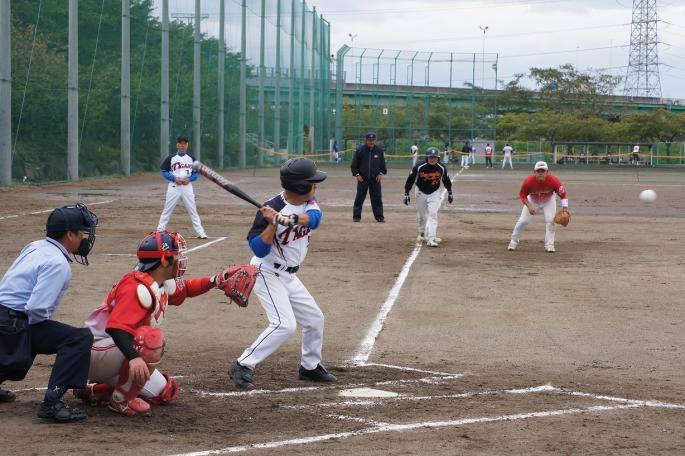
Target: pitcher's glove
{"type": "Point", "coordinates": [237, 282]}
{"type": "Point", "coordinates": [562, 218]}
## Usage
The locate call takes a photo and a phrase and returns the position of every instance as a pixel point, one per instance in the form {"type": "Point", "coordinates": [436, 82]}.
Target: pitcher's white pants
{"type": "Point", "coordinates": [427, 206]}
{"type": "Point", "coordinates": [504, 161]}
{"type": "Point", "coordinates": [464, 161]}
{"type": "Point", "coordinates": [105, 363]}
{"type": "Point", "coordinates": [287, 303]}
{"type": "Point", "coordinates": [185, 194]}
{"type": "Point", "coordinates": [549, 210]}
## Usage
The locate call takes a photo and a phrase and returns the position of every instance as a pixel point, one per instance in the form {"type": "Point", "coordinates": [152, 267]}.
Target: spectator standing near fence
{"type": "Point", "coordinates": [635, 155]}
{"type": "Point", "coordinates": [507, 156]}
{"type": "Point", "coordinates": [488, 155]}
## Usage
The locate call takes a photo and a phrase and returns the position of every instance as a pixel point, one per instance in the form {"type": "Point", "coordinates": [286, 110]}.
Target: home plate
{"type": "Point", "coordinates": [366, 392]}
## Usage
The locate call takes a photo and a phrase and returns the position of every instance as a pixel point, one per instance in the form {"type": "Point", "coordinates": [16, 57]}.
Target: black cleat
{"type": "Point", "coordinates": [60, 413]}
{"type": "Point", "coordinates": [241, 375]}
{"type": "Point", "coordinates": [7, 395]}
{"type": "Point", "coordinates": [318, 374]}
{"type": "Point", "coordinates": [355, 219]}
{"type": "Point", "coordinates": [380, 220]}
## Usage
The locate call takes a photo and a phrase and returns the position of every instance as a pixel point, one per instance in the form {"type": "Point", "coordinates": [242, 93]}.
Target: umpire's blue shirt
{"type": "Point", "coordinates": [37, 280]}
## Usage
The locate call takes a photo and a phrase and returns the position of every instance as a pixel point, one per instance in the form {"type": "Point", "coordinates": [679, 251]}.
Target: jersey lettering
{"type": "Point", "coordinates": [298, 232]}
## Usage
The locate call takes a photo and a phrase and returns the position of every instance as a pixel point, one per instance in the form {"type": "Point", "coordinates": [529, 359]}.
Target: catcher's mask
{"type": "Point", "coordinates": [75, 218]}
{"type": "Point", "coordinates": [160, 248]}
{"type": "Point", "coordinates": [298, 174]}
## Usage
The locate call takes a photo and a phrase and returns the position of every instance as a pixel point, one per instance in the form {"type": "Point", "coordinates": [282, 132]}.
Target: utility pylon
{"type": "Point", "coordinates": [642, 78]}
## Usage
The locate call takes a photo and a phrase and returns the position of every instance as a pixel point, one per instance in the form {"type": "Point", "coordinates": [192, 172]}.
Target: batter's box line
{"type": "Point", "coordinates": [384, 427]}
{"type": "Point", "coordinates": [257, 392]}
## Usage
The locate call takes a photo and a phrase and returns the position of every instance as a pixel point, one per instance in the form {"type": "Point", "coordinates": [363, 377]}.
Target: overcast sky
{"type": "Point", "coordinates": [524, 33]}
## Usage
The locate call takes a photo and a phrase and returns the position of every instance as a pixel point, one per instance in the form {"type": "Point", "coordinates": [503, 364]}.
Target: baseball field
{"type": "Point", "coordinates": [479, 350]}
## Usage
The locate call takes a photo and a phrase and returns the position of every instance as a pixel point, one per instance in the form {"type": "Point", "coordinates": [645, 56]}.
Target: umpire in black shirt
{"type": "Point", "coordinates": [368, 166]}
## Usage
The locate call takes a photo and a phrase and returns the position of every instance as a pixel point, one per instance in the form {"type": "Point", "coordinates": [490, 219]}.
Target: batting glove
{"type": "Point", "coordinates": [450, 198]}
{"type": "Point", "coordinates": [286, 220]}
{"type": "Point", "coordinates": [406, 199]}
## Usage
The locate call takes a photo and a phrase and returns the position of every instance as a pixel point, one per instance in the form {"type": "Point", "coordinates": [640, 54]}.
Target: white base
{"type": "Point", "coordinates": [367, 392]}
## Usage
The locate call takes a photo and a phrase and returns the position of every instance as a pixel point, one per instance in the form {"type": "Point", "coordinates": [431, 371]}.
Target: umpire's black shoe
{"type": "Point", "coordinates": [60, 413]}
{"type": "Point", "coordinates": [318, 374]}
{"type": "Point", "coordinates": [7, 395]}
{"type": "Point", "coordinates": [241, 375]}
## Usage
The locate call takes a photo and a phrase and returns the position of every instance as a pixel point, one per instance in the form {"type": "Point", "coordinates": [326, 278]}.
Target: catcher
{"type": "Point", "coordinates": [537, 194]}
{"type": "Point", "coordinates": [128, 343]}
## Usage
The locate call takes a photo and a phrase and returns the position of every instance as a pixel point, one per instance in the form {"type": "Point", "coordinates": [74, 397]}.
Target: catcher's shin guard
{"type": "Point", "coordinates": [168, 395]}
{"type": "Point", "coordinates": [94, 393]}
{"type": "Point", "coordinates": [125, 398]}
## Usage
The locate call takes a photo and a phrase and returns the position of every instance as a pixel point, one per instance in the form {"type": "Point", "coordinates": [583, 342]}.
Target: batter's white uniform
{"type": "Point", "coordinates": [285, 300]}
{"type": "Point", "coordinates": [507, 156]}
{"type": "Point", "coordinates": [180, 166]}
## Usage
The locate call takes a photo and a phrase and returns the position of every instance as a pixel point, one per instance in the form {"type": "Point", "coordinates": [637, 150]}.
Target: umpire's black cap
{"type": "Point", "coordinates": [182, 138]}
{"type": "Point", "coordinates": [371, 135]}
{"type": "Point", "coordinates": [71, 218]}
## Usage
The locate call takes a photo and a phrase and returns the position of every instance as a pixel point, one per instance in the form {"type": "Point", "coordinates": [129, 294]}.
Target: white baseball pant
{"type": "Point", "coordinates": [464, 160]}
{"type": "Point", "coordinates": [287, 303]}
{"type": "Point", "coordinates": [504, 161]}
{"type": "Point", "coordinates": [427, 206]}
{"type": "Point", "coordinates": [549, 209]}
{"type": "Point", "coordinates": [185, 194]}
{"type": "Point", "coordinates": [105, 363]}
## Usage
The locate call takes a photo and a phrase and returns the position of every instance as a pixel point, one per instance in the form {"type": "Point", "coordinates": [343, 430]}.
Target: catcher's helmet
{"type": "Point", "coordinates": [298, 174]}
{"type": "Point", "coordinates": [432, 152]}
{"type": "Point", "coordinates": [160, 247]}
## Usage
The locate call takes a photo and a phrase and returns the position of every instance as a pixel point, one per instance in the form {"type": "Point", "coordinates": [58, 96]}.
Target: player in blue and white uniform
{"type": "Point", "coordinates": [279, 238]}
{"type": "Point", "coordinates": [178, 170]}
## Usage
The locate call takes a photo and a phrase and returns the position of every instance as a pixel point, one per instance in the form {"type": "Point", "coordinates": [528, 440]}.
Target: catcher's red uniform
{"type": "Point", "coordinates": [135, 304]}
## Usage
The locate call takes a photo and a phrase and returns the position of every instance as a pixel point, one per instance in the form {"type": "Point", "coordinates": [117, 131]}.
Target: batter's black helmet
{"type": "Point", "coordinates": [298, 174]}
{"type": "Point", "coordinates": [432, 152]}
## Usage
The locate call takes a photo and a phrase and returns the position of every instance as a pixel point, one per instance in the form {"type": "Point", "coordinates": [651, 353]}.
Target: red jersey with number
{"type": "Point", "coordinates": [137, 300]}
{"type": "Point", "coordinates": [541, 192]}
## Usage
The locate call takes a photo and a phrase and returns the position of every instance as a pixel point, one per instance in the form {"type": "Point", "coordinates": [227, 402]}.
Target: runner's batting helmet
{"type": "Point", "coordinates": [298, 174]}
{"type": "Point", "coordinates": [432, 152]}
{"type": "Point", "coordinates": [160, 248]}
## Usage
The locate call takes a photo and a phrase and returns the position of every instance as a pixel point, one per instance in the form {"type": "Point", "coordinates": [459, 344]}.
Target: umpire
{"type": "Point", "coordinates": [368, 166]}
{"type": "Point", "coordinates": [30, 293]}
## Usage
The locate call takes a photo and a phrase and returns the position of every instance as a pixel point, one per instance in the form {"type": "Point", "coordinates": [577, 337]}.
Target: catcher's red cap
{"type": "Point", "coordinates": [540, 165]}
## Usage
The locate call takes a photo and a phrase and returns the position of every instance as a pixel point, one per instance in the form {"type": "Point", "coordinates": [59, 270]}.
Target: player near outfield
{"type": "Point", "coordinates": [538, 194]}
{"type": "Point", "coordinates": [427, 177]}
{"type": "Point", "coordinates": [178, 170]}
{"type": "Point", "coordinates": [128, 342]}
{"type": "Point", "coordinates": [279, 238]}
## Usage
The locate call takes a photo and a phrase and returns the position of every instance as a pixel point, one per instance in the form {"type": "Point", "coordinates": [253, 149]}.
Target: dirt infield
{"type": "Point", "coordinates": [492, 352]}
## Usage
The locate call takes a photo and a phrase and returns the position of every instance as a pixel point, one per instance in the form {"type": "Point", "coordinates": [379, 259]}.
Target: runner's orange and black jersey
{"type": "Point", "coordinates": [428, 177]}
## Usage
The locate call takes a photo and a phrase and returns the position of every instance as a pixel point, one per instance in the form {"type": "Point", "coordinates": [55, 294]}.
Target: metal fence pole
{"type": "Point", "coordinates": [5, 94]}
{"type": "Point", "coordinates": [277, 82]}
{"type": "Point", "coordinates": [164, 108]}
{"type": "Point", "coordinates": [197, 132]}
{"type": "Point", "coordinates": [260, 95]}
{"type": "Point", "coordinates": [72, 106]}
{"type": "Point", "coordinates": [220, 136]}
{"type": "Point", "coordinates": [243, 86]}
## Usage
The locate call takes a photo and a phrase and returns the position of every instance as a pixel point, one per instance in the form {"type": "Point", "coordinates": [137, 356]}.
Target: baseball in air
{"type": "Point", "coordinates": [648, 196]}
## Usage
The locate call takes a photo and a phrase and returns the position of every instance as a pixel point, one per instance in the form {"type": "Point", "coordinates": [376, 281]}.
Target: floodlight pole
{"type": "Point", "coordinates": [5, 94]}
{"type": "Point", "coordinates": [72, 97]}
{"type": "Point", "coordinates": [164, 114]}
{"type": "Point", "coordinates": [197, 132]}
{"type": "Point", "coordinates": [484, 28]}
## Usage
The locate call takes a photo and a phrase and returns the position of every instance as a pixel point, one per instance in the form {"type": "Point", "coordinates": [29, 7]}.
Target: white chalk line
{"type": "Point", "coordinates": [202, 246]}
{"type": "Point", "coordinates": [366, 346]}
{"type": "Point", "coordinates": [409, 369]}
{"type": "Point", "coordinates": [413, 426]}
{"type": "Point", "coordinates": [259, 392]}
{"type": "Point", "coordinates": [48, 210]}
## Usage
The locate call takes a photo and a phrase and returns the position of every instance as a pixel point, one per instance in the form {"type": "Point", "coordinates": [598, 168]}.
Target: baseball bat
{"type": "Point", "coordinates": [221, 181]}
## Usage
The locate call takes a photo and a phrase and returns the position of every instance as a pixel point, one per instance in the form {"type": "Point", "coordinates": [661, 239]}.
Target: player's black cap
{"type": "Point", "coordinates": [71, 218]}
{"type": "Point", "coordinates": [182, 138]}
{"type": "Point", "coordinates": [371, 135]}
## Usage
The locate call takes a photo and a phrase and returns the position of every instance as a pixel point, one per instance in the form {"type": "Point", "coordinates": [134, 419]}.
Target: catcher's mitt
{"type": "Point", "coordinates": [562, 218]}
{"type": "Point", "coordinates": [237, 282]}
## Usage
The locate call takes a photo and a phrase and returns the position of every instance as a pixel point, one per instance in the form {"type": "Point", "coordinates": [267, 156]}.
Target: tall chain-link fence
{"type": "Point", "coordinates": [278, 102]}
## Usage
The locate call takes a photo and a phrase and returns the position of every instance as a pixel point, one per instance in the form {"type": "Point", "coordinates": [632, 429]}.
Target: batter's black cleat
{"type": "Point", "coordinates": [241, 375]}
{"type": "Point", "coordinates": [380, 220]}
{"type": "Point", "coordinates": [7, 395]}
{"type": "Point", "coordinates": [318, 374]}
{"type": "Point", "coordinates": [355, 219]}
{"type": "Point", "coordinates": [60, 413]}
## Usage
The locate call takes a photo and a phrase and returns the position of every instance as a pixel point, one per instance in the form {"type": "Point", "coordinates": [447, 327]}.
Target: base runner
{"type": "Point", "coordinates": [427, 176]}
